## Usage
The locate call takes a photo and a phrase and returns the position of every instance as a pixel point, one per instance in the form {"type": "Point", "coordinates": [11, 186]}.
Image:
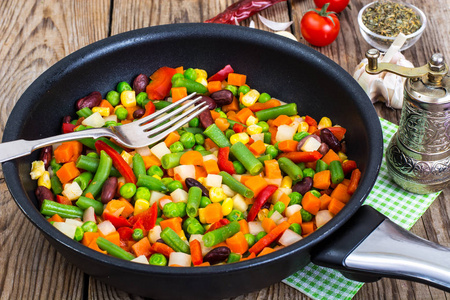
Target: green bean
{"type": "Point", "coordinates": [191, 86]}
{"type": "Point", "coordinates": [337, 174]}
{"type": "Point", "coordinates": [321, 166]}
{"type": "Point", "coordinates": [113, 249]}
{"type": "Point", "coordinates": [219, 235]}
{"type": "Point", "coordinates": [217, 136]}
{"type": "Point", "coordinates": [267, 137]}
{"type": "Point", "coordinates": [55, 166]}
{"type": "Point", "coordinates": [233, 257]}
{"type": "Point", "coordinates": [265, 157]}
{"type": "Point", "coordinates": [171, 160]}
{"type": "Point", "coordinates": [232, 122]}
{"type": "Point", "coordinates": [290, 168]}
{"type": "Point", "coordinates": [193, 226]}
{"type": "Point", "coordinates": [274, 112]}
{"type": "Point", "coordinates": [193, 202]}
{"type": "Point", "coordinates": [89, 142]}
{"type": "Point", "coordinates": [138, 165]}
{"type": "Point", "coordinates": [152, 183]}
{"type": "Point", "coordinates": [90, 164]}
{"type": "Point", "coordinates": [85, 202]}
{"type": "Point", "coordinates": [50, 208]}
{"type": "Point", "coordinates": [57, 187]}
{"type": "Point", "coordinates": [193, 130]}
{"type": "Point", "coordinates": [157, 259]}
{"type": "Point", "coordinates": [83, 179]}
{"type": "Point", "coordinates": [235, 185]}
{"type": "Point", "coordinates": [172, 239]}
{"type": "Point", "coordinates": [161, 104]}
{"type": "Point", "coordinates": [104, 168]}
{"type": "Point", "coordinates": [84, 112]}
{"type": "Point", "coordinates": [246, 157]}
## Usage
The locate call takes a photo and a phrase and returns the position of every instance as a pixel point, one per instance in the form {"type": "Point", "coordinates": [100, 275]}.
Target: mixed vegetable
{"type": "Point", "coordinates": [247, 177]}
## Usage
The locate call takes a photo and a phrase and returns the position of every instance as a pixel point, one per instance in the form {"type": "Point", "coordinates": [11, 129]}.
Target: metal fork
{"type": "Point", "coordinates": [136, 134]}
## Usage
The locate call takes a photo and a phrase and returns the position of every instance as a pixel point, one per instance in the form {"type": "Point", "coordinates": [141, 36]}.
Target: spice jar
{"type": "Point", "coordinates": [418, 156]}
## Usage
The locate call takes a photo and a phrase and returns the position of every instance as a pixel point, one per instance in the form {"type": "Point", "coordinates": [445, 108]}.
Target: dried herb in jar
{"type": "Point", "coordinates": [389, 19]}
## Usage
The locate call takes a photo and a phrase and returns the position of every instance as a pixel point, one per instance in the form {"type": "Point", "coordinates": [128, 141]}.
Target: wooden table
{"type": "Point", "coordinates": [36, 34]}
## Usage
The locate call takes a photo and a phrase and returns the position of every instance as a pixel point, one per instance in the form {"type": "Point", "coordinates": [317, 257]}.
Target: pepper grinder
{"type": "Point", "coordinates": [418, 155]}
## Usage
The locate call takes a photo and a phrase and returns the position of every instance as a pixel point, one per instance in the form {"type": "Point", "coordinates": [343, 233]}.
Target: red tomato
{"type": "Point", "coordinates": [335, 5]}
{"type": "Point", "coordinates": [319, 27]}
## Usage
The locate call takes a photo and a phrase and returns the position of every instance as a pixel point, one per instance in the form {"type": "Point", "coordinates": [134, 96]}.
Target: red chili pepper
{"type": "Point", "coordinates": [116, 221]}
{"type": "Point", "coordinates": [161, 83]}
{"type": "Point", "coordinates": [146, 219]}
{"type": "Point", "coordinates": [222, 74]}
{"type": "Point", "coordinates": [224, 162]}
{"type": "Point", "coordinates": [354, 181]}
{"type": "Point", "coordinates": [299, 156]}
{"type": "Point", "coordinates": [125, 233]}
{"type": "Point", "coordinates": [67, 127]}
{"type": "Point", "coordinates": [118, 162]}
{"type": "Point", "coordinates": [262, 198]}
{"type": "Point", "coordinates": [348, 166]}
{"type": "Point", "coordinates": [218, 224]}
{"type": "Point", "coordinates": [241, 10]}
{"type": "Point", "coordinates": [238, 128]}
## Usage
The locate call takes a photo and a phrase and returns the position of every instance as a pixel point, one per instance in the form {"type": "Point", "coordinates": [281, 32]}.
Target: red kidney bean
{"type": "Point", "coordinates": [303, 141]}
{"type": "Point", "coordinates": [323, 149]}
{"type": "Point", "coordinates": [190, 182]}
{"type": "Point", "coordinates": [266, 205]}
{"type": "Point", "coordinates": [140, 83]}
{"type": "Point", "coordinates": [138, 113]}
{"type": "Point", "coordinates": [211, 103]}
{"type": "Point", "coordinates": [46, 156]}
{"type": "Point", "coordinates": [217, 255]}
{"type": "Point", "coordinates": [303, 186]}
{"type": "Point", "coordinates": [91, 100]}
{"type": "Point", "coordinates": [205, 119]}
{"type": "Point", "coordinates": [109, 189]}
{"type": "Point", "coordinates": [343, 147]}
{"type": "Point", "coordinates": [330, 139]}
{"type": "Point", "coordinates": [43, 193]}
{"type": "Point", "coordinates": [222, 97]}
{"type": "Point", "coordinates": [67, 119]}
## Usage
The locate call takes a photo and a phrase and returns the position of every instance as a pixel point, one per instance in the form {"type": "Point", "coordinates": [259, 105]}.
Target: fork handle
{"type": "Point", "coordinates": [18, 148]}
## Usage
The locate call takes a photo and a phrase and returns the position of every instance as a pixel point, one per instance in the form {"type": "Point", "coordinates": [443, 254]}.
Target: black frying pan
{"type": "Point", "coordinates": [285, 69]}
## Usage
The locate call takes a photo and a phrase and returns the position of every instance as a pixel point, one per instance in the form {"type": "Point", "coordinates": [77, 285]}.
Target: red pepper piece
{"type": "Point", "coordinates": [116, 221]}
{"type": "Point", "coordinates": [354, 181]}
{"type": "Point", "coordinates": [146, 219]}
{"type": "Point", "coordinates": [348, 166]}
{"type": "Point", "coordinates": [161, 83]}
{"type": "Point", "coordinates": [139, 224]}
{"type": "Point", "coordinates": [223, 161]}
{"type": "Point", "coordinates": [118, 162]}
{"type": "Point", "coordinates": [218, 224]}
{"type": "Point", "coordinates": [262, 198]}
{"type": "Point", "coordinates": [310, 121]}
{"type": "Point", "coordinates": [149, 108]}
{"type": "Point", "coordinates": [125, 233]}
{"type": "Point", "coordinates": [241, 10]}
{"type": "Point", "coordinates": [63, 200]}
{"type": "Point", "coordinates": [67, 127]}
{"type": "Point", "coordinates": [238, 128]}
{"type": "Point", "coordinates": [338, 132]}
{"type": "Point", "coordinates": [299, 156]}
{"type": "Point", "coordinates": [222, 74]}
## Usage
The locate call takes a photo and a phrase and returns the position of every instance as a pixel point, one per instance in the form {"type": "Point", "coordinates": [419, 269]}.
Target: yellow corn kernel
{"type": "Point", "coordinates": [103, 111]}
{"type": "Point", "coordinates": [216, 194]}
{"type": "Point", "coordinates": [203, 81]}
{"type": "Point", "coordinates": [128, 98]}
{"type": "Point", "coordinates": [342, 156]}
{"type": "Point", "coordinates": [44, 180]}
{"type": "Point", "coordinates": [201, 215]}
{"type": "Point", "coordinates": [227, 206]}
{"type": "Point", "coordinates": [239, 137]}
{"type": "Point", "coordinates": [156, 176]}
{"type": "Point", "coordinates": [117, 107]}
{"type": "Point", "coordinates": [250, 98]}
{"type": "Point", "coordinates": [37, 169]}
{"type": "Point", "coordinates": [127, 157]}
{"type": "Point", "coordinates": [294, 117]}
{"type": "Point", "coordinates": [324, 123]}
{"type": "Point", "coordinates": [201, 73]}
{"type": "Point", "coordinates": [262, 214]}
{"type": "Point", "coordinates": [251, 121]}
{"type": "Point", "coordinates": [286, 182]}
{"type": "Point", "coordinates": [182, 235]}
{"type": "Point", "coordinates": [303, 126]}
{"type": "Point", "coordinates": [254, 129]}
{"type": "Point", "coordinates": [201, 180]}
{"type": "Point", "coordinates": [140, 205]}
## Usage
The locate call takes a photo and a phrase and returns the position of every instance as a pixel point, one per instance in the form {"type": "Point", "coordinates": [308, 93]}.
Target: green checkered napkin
{"type": "Point", "coordinates": [401, 207]}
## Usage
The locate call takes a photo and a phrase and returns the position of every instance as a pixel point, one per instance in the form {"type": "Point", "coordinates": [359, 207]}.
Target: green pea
{"type": "Point", "coordinates": [316, 193]}
{"type": "Point", "coordinates": [173, 185]}
{"type": "Point", "coordinates": [155, 170]}
{"type": "Point", "coordinates": [199, 148]}
{"type": "Point", "coordinates": [204, 201]}
{"type": "Point", "coordinates": [111, 123]}
{"type": "Point", "coordinates": [264, 97]}
{"type": "Point", "coordinates": [138, 234]}
{"type": "Point", "coordinates": [260, 235]}
{"type": "Point", "coordinates": [250, 238]}
{"type": "Point", "coordinates": [140, 98]}
{"type": "Point", "coordinates": [235, 215]}
{"type": "Point", "coordinates": [158, 220]}
{"type": "Point", "coordinates": [89, 226]}
{"type": "Point", "coordinates": [181, 207]}
{"type": "Point", "coordinates": [218, 109]}
{"type": "Point", "coordinates": [296, 198]}
{"type": "Point", "coordinates": [276, 146]}
{"type": "Point", "coordinates": [239, 167]}
{"type": "Point", "coordinates": [128, 190]}
{"type": "Point", "coordinates": [79, 233]}
{"type": "Point", "coordinates": [121, 113]}
{"type": "Point", "coordinates": [199, 138]}
{"type": "Point", "coordinates": [93, 155]}
{"type": "Point", "coordinates": [308, 172]}
{"type": "Point", "coordinates": [272, 150]}
{"type": "Point", "coordinates": [229, 133]}
{"type": "Point", "coordinates": [170, 210]}
{"type": "Point", "coordinates": [306, 216]}
{"type": "Point", "coordinates": [222, 114]}
{"type": "Point", "coordinates": [123, 86]}
{"type": "Point", "coordinates": [142, 193]}
{"type": "Point", "coordinates": [157, 259]}
{"type": "Point", "coordinates": [188, 140]}
{"type": "Point", "coordinates": [301, 165]}
{"type": "Point", "coordinates": [233, 89]}
{"type": "Point", "coordinates": [243, 89]}
{"type": "Point", "coordinates": [194, 122]}
{"type": "Point", "coordinates": [295, 227]}
{"type": "Point", "coordinates": [176, 76]}
{"type": "Point", "coordinates": [300, 135]}
{"type": "Point", "coordinates": [279, 207]}
{"type": "Point", "coordinates": [176, 147]}
{"type": "Point", "coordinates": [166, 180]}
{"type": "Point", "coordinates": [190, 74]}
{"type": "Point", "coordinates": [264, 126]}
{"type": "Point", "coordinates": [113, 98]}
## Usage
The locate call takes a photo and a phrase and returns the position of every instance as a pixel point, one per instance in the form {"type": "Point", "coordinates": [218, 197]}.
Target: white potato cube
{"type": "Point", "coordinates": [72, 191]}
{"type": "Point", "coordinates": [159, 150]}
{"type": "Point", "coordinates": [292, 209]}
{"type": "Point", "coordinates": [213, 180]}
{"type": "Point", "coordinates": [289, 237]}
{"type": "Point", "coordinates": [179, 195]}
{"type": "Point", "coordinates": [239, 203]}
{"type": "Point", "coordinates": [311, 144]}
{"type": "Point", "coordinates": [95, 120]}
{"type": "Point", "coordinates": [179, 259]}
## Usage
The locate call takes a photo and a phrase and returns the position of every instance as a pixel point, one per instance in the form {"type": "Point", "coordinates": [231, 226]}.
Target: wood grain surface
{"type": "Point", "coordinates": [36, 34]}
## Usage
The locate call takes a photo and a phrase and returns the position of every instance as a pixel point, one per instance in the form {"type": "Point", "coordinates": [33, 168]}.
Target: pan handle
{"type": "Point", "coordinates": [370, 246]}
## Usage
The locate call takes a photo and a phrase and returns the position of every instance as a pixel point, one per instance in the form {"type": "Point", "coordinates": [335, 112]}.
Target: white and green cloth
{"type": "Point", "coordinates": [400, 206]}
